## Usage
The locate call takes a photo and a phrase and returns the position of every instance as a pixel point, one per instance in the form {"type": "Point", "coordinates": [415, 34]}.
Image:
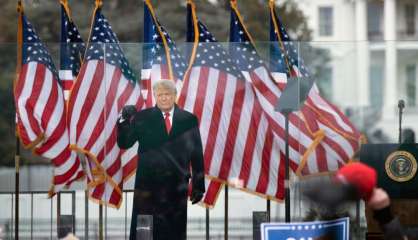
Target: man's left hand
{"type": "Point", "coordinates": [196, 196]}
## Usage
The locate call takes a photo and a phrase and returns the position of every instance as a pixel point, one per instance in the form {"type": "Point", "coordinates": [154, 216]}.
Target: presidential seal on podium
{"type": "Point", "coordinates": [401, 166]}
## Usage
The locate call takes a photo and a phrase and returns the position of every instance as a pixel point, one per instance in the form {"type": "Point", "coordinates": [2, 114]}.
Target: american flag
{"type": "Point", "coordinates": [301, 140]}
{"type": "Point", "coordinates": [40, 109]}
{"type": "Point", "coordinates": [236, 134]}
{"type": "Point", "coordinates": [103, 87]}
{"type": "Point", "coordinates": [341, 140]}
{"type": "Point", "coordinates": [72, 50]}
{"type": "Point", "coordinates": [162, 60]}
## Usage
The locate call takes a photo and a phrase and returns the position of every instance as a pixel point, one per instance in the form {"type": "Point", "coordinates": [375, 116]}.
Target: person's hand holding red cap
{"type": "Point", "coordinates": [379, 199]}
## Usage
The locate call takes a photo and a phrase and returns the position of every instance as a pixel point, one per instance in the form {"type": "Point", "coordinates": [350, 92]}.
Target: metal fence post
{"type": "Point", "coordinates": [105, 222]}
{"type": "Point", "coordinates": [12, 222]}
{"type": "Point", "coordinates": [31, 215]}
{"type": "Point", "coordinates": [226, 213]}
{"type": "Point", "coordinates": [126, 214]}
{"type": "Point", "coordinates": [268, 210]}
{"type": "Point", "coordinates": [73, 209]}
{"type": "Point", "coordinates": [101, 222]}
{"type": "Point", "coordinates": [52, 214]}
{"type": "Point", "coordinates": [207, 223]}
{"type": "Point", "coordinates": [58, 208]}
{"type": "Point", "coordinates": [86, 215]}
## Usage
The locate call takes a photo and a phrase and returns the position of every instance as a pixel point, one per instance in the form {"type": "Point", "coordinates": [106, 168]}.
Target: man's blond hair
{"type": "Point", "coordinates": [165, 84]}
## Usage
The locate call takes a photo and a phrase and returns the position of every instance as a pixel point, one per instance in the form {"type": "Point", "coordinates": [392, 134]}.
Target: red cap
{"type": "Point", "coordinates": [361, 176]}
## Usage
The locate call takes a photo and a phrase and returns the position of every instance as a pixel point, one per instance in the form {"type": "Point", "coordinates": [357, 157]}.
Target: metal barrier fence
{"type": "Point", "coordinates": [40, 220]}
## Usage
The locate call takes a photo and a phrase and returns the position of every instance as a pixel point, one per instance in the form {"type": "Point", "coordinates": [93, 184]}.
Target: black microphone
{"type": "Point", "coordinates": [401, 106]}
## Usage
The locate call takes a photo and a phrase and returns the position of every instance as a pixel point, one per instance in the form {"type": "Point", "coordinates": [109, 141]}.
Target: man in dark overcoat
{"type": "Point", "coordinates": [170, 153]}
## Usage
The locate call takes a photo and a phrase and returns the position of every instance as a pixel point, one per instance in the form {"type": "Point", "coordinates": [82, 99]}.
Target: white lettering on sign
{"type": "Point", "coordinates": [309, 238]}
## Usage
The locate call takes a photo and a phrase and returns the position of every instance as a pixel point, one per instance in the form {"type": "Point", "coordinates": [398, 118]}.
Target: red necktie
{"type": "Point", "coordinates": [167, 121]}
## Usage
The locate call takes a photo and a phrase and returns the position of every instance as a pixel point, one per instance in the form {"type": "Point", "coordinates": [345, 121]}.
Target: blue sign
{"type": "Point", "coordinates": [335, 229]}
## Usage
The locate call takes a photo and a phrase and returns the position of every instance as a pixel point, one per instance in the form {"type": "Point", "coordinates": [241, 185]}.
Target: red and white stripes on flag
{"type": "Point", "coordinates": [42, 124]}
{"type": "Point", "coordinates": [340, 140]}
{"type": "Point", "coordinates": [330, 149]}
{"type": "Point", "coordinates": [240, 146]}
{"type": "Point", "coordinates": [316, 146]}
{"type": "Point", "coordinates": [40, 109]}
{"type": "Point", "coordinates": [67, 79]}
{"type": "Point", "coordinates": [242, 134]}
{"type": "Point", "coordinates": [98, 95]}
{"type": "Point", "coordinates": [103, 87]}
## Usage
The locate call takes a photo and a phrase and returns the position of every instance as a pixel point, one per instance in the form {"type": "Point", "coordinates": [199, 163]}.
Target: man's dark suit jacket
{"type": "Point", "coordinates": [163, 170]}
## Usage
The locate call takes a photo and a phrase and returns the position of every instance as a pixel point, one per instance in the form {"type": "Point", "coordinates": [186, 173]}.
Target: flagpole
{"type": "Point", "coordinates": [273, 16]}
{"type": "Point", "coordinates": [286, 113]}
{"type": "Point", "coordinates": [17, 146]}
{"type": "Point", "coordinates": [64, 3]}
{"type": "Point", "coordinates": [234, 8]}
{"type": "Point", "coordinates": [98, 4]}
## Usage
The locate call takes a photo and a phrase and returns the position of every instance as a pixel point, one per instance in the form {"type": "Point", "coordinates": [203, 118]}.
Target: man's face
{"type": "Point", "coordinates": [165, 99]}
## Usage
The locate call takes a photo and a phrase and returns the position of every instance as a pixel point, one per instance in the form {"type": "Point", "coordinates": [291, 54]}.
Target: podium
{"type": "Point", "coordinates": [396, 166]}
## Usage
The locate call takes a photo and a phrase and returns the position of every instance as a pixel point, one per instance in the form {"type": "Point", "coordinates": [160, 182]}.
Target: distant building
{"type": "Point", "coordinates": [373, 46]}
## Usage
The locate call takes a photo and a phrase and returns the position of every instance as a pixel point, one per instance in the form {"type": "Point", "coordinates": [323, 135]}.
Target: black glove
{"type": "Point", "coordinates": [196, 196]}
{"type": "Point", "coordinates": [128, 112]}
{"type": "Point", "coordinates": [383, 216]}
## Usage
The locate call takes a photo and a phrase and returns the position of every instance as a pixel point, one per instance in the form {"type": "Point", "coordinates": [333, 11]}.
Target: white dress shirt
{"type": "Point", "coordinates": [171, 115]}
